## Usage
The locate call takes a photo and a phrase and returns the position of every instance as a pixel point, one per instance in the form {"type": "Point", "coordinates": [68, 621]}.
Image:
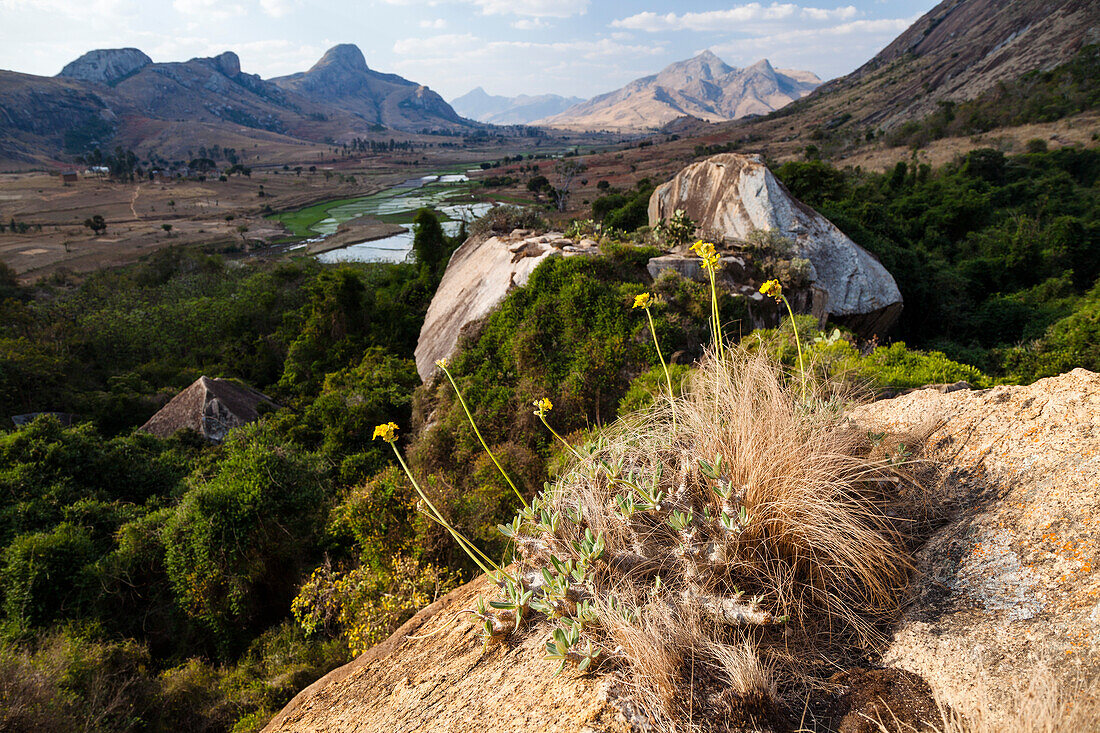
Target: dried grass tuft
{"type": "Point", "coordinates": [796, 547]}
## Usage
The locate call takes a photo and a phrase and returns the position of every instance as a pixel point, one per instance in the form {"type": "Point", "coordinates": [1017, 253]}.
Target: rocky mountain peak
{"type": "Point", "coordinates": [106, 65]}
{"type": "Point", "coordinates": [763, 66]}
{"type": "Point", "coordinates": [706, 66]}
{"type": "Point", "coordinates": [344, 57]}
{"type": "Point", "coordinates": [228, 63]}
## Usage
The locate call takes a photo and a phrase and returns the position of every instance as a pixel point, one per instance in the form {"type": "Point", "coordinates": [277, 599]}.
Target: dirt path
{"type": "Point", "coordinates": [133, 201]}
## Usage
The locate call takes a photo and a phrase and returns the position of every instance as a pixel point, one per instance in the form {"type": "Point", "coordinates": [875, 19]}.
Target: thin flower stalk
{"type": "Point", "coordinates": [711, 263]}
{"type": "Point", "coordinates": [544, 406]}
{"type": "Point", "coordinates": [645, 301]}
{"type": "Point", "coordinates": [388, 433]}
{"type": "Point", "coordinates": [773, 289]}
{"type": "Point", "coordinates": [443, 364]}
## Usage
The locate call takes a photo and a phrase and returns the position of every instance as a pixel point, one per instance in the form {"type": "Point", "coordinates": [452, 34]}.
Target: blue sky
{"type": "Point", "coordinates": [570, 47]}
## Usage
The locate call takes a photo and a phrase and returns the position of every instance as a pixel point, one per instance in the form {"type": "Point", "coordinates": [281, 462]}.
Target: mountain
{"type": "Point", "coordinates": [962, 48]}
{"type": "Point", "coordinates": [704, 87]}
{"type": "Point", "coordinates": [120, 96]}
{"type": "Point", "coordinates": [962, 69]}
{"type": "Point", "coordinates": [342, 79]}
{"type": "Point", "coordinates": [478, 105]}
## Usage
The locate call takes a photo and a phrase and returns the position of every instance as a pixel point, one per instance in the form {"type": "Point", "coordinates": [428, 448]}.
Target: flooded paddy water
{"type": "Point", "coordinates": [443, 193]}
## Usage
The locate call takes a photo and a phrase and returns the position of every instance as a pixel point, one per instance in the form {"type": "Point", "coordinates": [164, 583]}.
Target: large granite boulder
{"type": "Point", "coordinates": [434, 674]}
{"type": "Point", "coordinates": [210, 407]}
{"type": "Point", "coordinates": [480, 273]}
{"type": "Point", "coordinates": [732, 195]}
{"type": "Point", "coordinates": [1009, 588]}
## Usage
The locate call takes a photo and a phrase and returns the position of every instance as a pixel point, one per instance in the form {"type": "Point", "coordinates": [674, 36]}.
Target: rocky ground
{"type": "Point", "coordinates": [1007, 590]}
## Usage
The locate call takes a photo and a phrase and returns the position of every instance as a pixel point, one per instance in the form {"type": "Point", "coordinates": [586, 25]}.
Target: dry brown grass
{"type": "Point", "coordinates": [810, 561]}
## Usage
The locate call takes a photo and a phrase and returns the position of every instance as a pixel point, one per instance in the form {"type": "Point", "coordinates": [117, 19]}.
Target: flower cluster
{"type": "Point", "coordinates": [706, 252]}
{"type": "Point", "coordinates": [772, 288]}
{"type": "Point", "coordinates": [645, 300]}
{"type": "Point", "coordinates": [387, 432]}
{"type": "Point", "coordinates": [442, 363]}
{"type": "Point", "coordinates": [543, 406]}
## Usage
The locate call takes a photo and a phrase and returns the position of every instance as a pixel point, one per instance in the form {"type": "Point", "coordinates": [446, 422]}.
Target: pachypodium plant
{"type": "Point", "coordinates": [711, 261]}
{"type": "Point", "coordinates": [773, 289]}
{"type": "Point", "coordinates": [560, 648]}
{"type": "Point", "coordinates": [645, 301]}
{"type": "Point", "coordinates": [542, 408]}
{"type": "Point", "coordinates": [388, 433]}
{"type": "Point", "coordinates": [444, 365]}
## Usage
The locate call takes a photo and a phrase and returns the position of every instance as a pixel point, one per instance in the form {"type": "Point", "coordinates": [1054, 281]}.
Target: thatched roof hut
{"type": "Point", "coordinates": [210, 407]}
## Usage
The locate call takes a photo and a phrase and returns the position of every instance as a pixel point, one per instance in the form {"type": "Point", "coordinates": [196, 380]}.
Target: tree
{"type": "Point", "coordinates": [167, 229]}
{"type": "Point", "coordinates": [567, 171]}
{"type": "Point", "coordinates": [538, 184]}
{"type": "Point", "coordinates": [97, 224]}
{"type": "Point", "coordinates": [429, 244]}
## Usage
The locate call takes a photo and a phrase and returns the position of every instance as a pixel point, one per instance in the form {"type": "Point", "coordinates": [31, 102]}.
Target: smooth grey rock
{"type": "Point", "coordinates": [480, 273]}
{"type": "Point", "coordinates": [732, 195]}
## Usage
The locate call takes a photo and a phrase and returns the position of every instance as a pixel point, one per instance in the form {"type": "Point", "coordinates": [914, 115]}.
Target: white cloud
{"type": "Point", "coordinates": [441, 45]}
{"type": "Point", "coordinates": [278, 8]}
{"type": "Point", "coordinates": [844, 46]}
{"type": "Point", "coordinates": [738, 18]}
{"type": "Point", "coordinates": [527, 8]}
{"type": "Point", "coordinates": [534, 8]}
{"type": "Point", "coordinates": [209, 9]}
{"type": "Point", "coordinates": [437, 24]}
{"type": "Point", "coordinates": [581, 67]}
{"type": "Point", "coordinates": [530, 24]}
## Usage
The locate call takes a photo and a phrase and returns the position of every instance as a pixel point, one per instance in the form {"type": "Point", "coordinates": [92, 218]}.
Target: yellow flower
{"type": "Point", "coordinates": [772, 288]}
{"type": "Point", "coordinates": [386, 432]}
{"type": "Point", "coordinates": [442, 363]}
{"type": "Point", "coordinates": [707, 253]}
{"type": "Point", "coordinates": [543, 406]}
{"type": "Point", "coordinates": [643, 301]}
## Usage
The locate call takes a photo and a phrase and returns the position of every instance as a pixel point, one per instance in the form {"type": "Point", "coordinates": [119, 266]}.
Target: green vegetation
{"type": "Point", "coordinates": [624, 210]}
{"type": "Point", "coordinates": [155, 584]}
{"type": "Point", "coordinates": [167, 567]}
{"type": "Point", "coordinates": [301, 221]}
{"type": "Point", "coordinates": [1038, 96]}
{"type": "Point", "coordinates": [994, 255]}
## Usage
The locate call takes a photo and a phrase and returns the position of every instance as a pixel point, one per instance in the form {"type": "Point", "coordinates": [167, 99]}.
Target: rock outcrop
{"type": "Point", "coordinates": [107, 65]}
{"type": "Point", "coordinates": [480, 273]}
{"type": "Point", "coordinates": [434, 675]}
{"type": "Point", "coordinates": [1010, 585]}
{"type": "Point", "coordinates": [210, 407]}
{"type": "Point", "coordinates": [732, 195]}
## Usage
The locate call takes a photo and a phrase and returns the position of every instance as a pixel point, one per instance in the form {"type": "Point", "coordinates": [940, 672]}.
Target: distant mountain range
{"type": "Point", "coordinates": [479, 105]}
{"type": "Point", "coordinates": [120, 96]}
{"type": "Point", "coordinates": [704, 87]}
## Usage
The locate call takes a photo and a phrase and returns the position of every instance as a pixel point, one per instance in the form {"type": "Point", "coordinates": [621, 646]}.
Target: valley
{"type": "Point", "coordinates": [731, 399]}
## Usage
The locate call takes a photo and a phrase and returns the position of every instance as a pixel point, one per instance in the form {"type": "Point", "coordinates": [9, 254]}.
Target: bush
{"type": "Point", "coordinates": [237, 542]}
{"type": "Point", "coordinates": [503, 219]}
{"type": "Point", "coordinates": [46, 577]}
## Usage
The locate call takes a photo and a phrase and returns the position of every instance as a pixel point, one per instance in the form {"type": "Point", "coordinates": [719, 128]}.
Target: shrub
{"type": "Point", "coordinates": [236, 542]}
{"type": "Point", "coordinates": [365, 605]}
{"type": "Point", "coordinates": [46, 577]}
{"type": "Point", "coordinates": [503, 219]}
{"type": "Point", "coordinates": [756, 532]}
